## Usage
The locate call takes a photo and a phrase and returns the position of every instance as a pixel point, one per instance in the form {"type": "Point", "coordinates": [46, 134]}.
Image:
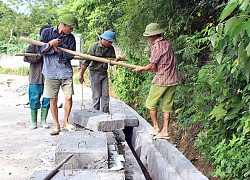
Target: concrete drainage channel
{"type": "Point", "coordinates": [115, 147]}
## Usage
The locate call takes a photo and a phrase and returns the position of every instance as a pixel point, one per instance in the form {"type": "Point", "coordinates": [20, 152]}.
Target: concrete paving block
{"type": "Point", "coordinates": [188, 171]}
{"type": "Point", "coordinates": [156, 163]}
{"type": "Point", "coordinates": [141, 144]}
{"type": "Point", "coordinates": [121, 109]}
{"type": "Point", "coordinates": [98, 121]}
{"type": "Point", "coordinates": [178, 161]}
{"type": "Point", "coordinates": [89, 149]}
{"type": "Point", "coordinates": [130, 121]}
{"type": "Point", "coordinates": [80, 175]}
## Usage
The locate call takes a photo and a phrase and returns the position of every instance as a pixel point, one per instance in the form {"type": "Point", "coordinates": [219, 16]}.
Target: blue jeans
{"type": "Point", "coordinates": [35, 93]}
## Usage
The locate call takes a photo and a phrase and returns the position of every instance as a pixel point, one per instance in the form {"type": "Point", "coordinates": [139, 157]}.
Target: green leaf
{"type": "Point", "coordinates": [234, 26]}
{"type": "Point", "coordinates": [221, 98]}
{"type": "Point", "coordinates": [225, 91]}
{"type": "Point", "coordinates": [229, 24]}
{"type": "Point", "coordinates": [219, 56]}
{"type": "Point", "coordinates": [235, 40]}
{"type": "Point", "coordinates": [247, 126]}
{"type": "Point", "coordinates": [201, 73]}
{"type": "Point", "coordinates": [244, 5]}
{"type": "Point", "coordinates": [247, 26]}
{"type": "Point", "coordinates": [248, 50]}
{"type": "Point", "coordinates": [228, 10]}
{"type": "Point", "coordinates": [218, 112]}
{"type": "Point", "coordinates": [247, 70]}
{"type": "Point", "coordinates": [219, 28]}
{"type": "Point", "coordinates": [229, 170]}
{"type": "Point", "coordinates": [240, 50]}
{"type": "Point", "coordinates": [238, 27]}
{"type": "Point", "coordinates": [213, 39]}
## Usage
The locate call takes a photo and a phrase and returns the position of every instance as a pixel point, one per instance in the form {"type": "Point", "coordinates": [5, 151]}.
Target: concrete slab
{"type": "Point", "coordinates": [156, 163]}
{"type": "Point", "coordinates": [121, 109]}
{"type": "Point", "coordinates": [80, 175]}
{"type": "Point", "coordinates": [178, 161]}
{"type": "Point", "coordinates": [89, 149]}
{"type": "Point", "coordinates": [98, 121]}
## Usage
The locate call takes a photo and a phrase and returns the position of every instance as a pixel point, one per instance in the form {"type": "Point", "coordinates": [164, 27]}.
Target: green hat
{"type": "Point", "coordinates": [69, 20]}
{"type": "Point", "coordinates": [153, 29]}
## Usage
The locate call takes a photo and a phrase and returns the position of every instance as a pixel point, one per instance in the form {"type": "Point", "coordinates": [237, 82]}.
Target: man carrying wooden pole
{"type": "Point", "coordinates": [84, 56]}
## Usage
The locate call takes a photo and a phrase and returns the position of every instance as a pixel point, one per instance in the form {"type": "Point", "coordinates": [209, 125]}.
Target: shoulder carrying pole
{"type": "Point", "coordinates": [84, 56]}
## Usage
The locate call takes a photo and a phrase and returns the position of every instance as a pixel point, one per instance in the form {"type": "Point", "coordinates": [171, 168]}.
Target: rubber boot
{"type": "Point", "coordinates": [33, 113]}
{"type": "Point", "coordinates": [44, 114]}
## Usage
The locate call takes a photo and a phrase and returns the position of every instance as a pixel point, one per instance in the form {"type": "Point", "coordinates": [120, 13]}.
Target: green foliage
{"type": "Point", "coordinates": [23, 71]}
{"type": "Point", "coordinates": [225, 140]}
{"type": "Point", "coordinates": [14, 25]}
{"type": "Point", "coordinates": [231, 158]}
{"type": "Point", "coordinates": [5, 70]}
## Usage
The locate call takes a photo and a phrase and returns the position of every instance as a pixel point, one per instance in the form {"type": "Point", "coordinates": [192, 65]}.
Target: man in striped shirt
{"type": "Point", "coordinates": [162, 63]}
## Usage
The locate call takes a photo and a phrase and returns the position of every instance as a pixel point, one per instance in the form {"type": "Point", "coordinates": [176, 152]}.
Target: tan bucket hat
{"type": "Point", "coordinates": [153, 29]}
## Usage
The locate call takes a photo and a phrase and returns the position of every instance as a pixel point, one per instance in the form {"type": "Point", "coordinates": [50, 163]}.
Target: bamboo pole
{"type": "Point", "coordinates": [75, 58]}
{"type": "Point", "coordinates": [85, 56]}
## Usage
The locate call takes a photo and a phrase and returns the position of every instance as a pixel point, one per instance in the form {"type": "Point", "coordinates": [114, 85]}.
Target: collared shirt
{"type": "Point", "coordinates": [162, 55]}
{"type": "Point", "coordinates": [57, 65]}
{"type": "Point", "coordinates": [96, 49]}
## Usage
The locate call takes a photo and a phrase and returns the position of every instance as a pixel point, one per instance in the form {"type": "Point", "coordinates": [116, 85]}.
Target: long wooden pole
{"type": "Point", "coordinates": [85, 56]}
{"type": "Point", "coordinates": [75, 58]}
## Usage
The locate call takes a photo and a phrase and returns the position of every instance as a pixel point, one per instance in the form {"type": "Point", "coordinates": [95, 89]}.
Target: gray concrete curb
{"type": "Point", "coordinates": [161, 158]}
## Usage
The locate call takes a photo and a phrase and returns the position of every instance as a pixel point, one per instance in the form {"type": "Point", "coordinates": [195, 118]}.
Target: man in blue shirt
{"type": "Point", "coordinates": [57, 67]}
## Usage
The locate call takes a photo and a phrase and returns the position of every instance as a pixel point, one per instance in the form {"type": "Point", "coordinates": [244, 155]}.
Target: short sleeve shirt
{"type": "Point", "coordinates": [163, 56]}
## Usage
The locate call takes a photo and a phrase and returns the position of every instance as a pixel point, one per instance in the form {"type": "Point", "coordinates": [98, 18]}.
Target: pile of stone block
{"type": "Point", "coordinates": [95, 149]}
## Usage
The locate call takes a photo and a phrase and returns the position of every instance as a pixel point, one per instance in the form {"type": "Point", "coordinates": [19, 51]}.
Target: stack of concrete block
{"type": "Point", "coordinates": [98, 121]}
{"type": "Point", "coordinates": [90, 158]}
{"type": "Point", "coordinates": [119, 118]}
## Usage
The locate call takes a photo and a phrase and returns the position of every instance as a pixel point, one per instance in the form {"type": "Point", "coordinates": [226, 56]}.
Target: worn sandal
{"type": "Point", "coordinates": [159, 136]}
{"type": "Point", "coordinates": [70, 127]}
{"type": "Point", "coordinates": [54, 132]}
{"type": "Point", "coordinates": [154, 133]}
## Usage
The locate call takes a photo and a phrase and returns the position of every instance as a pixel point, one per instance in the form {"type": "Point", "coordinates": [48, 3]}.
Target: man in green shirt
{"type": "Point", "coordinates": [98, 74]}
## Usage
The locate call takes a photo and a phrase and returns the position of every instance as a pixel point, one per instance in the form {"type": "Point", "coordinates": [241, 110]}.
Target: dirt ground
{"type": "Point", "coordinates": [21, 149]}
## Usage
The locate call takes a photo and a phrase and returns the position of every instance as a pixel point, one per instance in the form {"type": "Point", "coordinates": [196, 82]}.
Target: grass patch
{"type": "Point", "coordinates": [22, 71]}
